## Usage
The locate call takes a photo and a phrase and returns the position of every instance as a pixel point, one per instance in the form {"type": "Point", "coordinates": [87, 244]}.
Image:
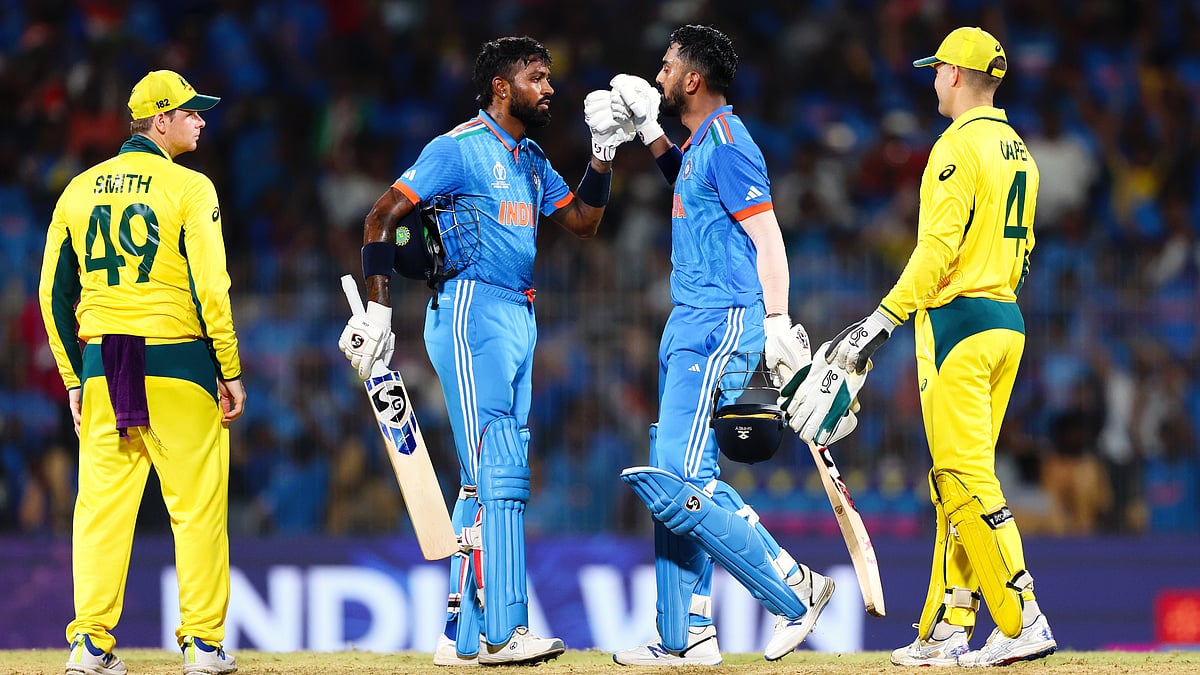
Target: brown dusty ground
{"type": "Point", "coordinates": [159, 662]}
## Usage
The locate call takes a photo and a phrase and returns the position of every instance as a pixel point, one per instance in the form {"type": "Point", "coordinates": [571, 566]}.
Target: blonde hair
{"type": "Point", "coordinates": [143, 125]}
{"type": "Point", "coordinates": [981, 81]}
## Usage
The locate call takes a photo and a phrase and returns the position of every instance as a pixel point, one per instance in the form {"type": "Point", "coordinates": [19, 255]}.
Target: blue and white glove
{"type": "Point", "coordinates": [368, 338]}
{"type": "Point", "coordinates": [607, 132]}
{"type": "Point", "coordinates": [638, 100]}
{"type": "Point", "coordinates": [819, 401]}
{"type": "Point", "coordinates": [853, 347]}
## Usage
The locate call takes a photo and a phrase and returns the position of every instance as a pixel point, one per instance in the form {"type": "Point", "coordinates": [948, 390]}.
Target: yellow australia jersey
{"type": "Point", "coordinates": [136, 242]}
{"type": "Point", "coordinates": [975, 228]}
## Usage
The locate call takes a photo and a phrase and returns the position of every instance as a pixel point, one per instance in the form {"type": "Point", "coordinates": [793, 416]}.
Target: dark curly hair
{"type": "Point", "coordinates": [709, 52]}
{"type": "Point", "coordinates": [503, 57]}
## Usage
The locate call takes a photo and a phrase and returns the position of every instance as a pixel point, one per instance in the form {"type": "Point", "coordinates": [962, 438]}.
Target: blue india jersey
{"type": "Point", "coordinates": [510, 182]}
{"type": "Point", "coordinates": [723, 180]}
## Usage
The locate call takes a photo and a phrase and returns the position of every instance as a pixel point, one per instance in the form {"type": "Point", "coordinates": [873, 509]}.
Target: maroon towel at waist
{"type": "Point", "coordinates": [124, 361]}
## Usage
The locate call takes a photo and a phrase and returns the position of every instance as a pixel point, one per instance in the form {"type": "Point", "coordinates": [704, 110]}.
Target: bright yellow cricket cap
{"type": "Point", "coordinates": [968, 47]}
{"type": "Point", "coordinates": [163, 90]}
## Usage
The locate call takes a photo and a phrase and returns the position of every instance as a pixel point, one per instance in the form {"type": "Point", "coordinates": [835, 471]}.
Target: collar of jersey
{"type": "Point", "coordinates": [698, 137]}
{"type": "Point", "coordinates": [977, 113]}
{"type": "Point", "coordinates": [508, 141]}
{"type": "Point", "coordinates": [139, 143]}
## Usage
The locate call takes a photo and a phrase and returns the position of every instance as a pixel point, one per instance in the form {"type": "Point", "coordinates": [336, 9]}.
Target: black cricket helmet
{"type": "Point", "coordinates": [747, 419]}
{"type": "Point", "coordinates": [438, 240]}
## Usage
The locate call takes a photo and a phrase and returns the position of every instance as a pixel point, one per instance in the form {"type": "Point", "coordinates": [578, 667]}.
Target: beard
{"type": "Point", "coordinates": [672, 102]}
{"type": "Point", "coordinates": [528, 113]}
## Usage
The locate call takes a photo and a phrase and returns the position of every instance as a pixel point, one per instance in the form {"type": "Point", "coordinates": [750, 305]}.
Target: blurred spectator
{"type": "Point", "coordinates": [1068, 167]}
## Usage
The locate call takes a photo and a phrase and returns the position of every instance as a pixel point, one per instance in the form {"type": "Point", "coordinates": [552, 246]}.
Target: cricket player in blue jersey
{"type": "Point", "coordinates": [479, 328]}
{"type": "Point", "coordinates": [729, 285]}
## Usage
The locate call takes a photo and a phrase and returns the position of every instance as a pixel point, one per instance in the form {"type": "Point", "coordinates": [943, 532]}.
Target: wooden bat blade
{"type": "Point", "coordinates": [414, 470]}
{"type": "Point", "coordinates": [854, 531]}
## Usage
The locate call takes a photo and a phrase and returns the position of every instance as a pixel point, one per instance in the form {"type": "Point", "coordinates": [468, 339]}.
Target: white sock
{"type": "Point", "coordinates": [1029, 612]}
{"type": "Point", "coordinates": [943, 630]}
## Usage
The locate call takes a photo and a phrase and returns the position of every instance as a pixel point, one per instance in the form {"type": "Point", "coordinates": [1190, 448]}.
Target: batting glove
{"type": "Point", "coordinates": [639, 100]}
{"type": "Point", "coordinates": [819, 401]}
{"type": "Point", "coordinates": [787, 349]}
{"type": "Point", "coordinates": [853, 347]}
{"type": "Point", "coordinates": [607, 132]}
{"type": "Point", "coordinates": [368, 339]}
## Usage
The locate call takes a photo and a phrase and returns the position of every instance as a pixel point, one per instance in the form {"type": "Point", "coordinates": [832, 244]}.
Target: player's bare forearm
{"type": "Point", "coordinates": [579, 217]}
{"type": "Point", "coordinates": [380, 226]}
{"type": "Point", "coordinates": [659, 146]}
{"type": "Point", "coordinates": [600, 166]}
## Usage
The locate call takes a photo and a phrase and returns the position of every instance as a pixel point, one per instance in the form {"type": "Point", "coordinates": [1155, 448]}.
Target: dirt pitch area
{"type": "Point", "coordinates": [160, 662]}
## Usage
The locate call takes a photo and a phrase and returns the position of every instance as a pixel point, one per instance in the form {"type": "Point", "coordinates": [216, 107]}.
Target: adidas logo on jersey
{"type": "Point", "coordinates": [754, 193]}
{"type": "Point", "coordinates": [695, 368]}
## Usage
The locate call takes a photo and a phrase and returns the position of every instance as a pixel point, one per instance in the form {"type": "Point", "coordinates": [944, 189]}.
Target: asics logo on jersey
{"type": "Point", "coordinates": [947, 172]}
{"type": "Point", "coordinates": [516, 214]}
{"type": "Point", "coordinates": [754, 193]}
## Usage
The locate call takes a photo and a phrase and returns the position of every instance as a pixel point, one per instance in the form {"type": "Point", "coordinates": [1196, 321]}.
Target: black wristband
{"type": "Point", "coordinates": [594, 187]}
{"type": "Point", "coordinates": [378, 257]}
{"type": "Point", "coordinates": [669, 163]}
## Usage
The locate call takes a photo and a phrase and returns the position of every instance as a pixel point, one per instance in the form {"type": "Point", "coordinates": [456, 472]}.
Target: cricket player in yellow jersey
{"type": "Point", "coordinates": [974, 236]}
{"type": "Point", "coordinates": [134, 258]}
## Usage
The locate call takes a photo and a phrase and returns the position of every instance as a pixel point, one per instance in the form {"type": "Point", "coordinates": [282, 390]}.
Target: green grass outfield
{"type": "Point", "coordinates": [160, 662]}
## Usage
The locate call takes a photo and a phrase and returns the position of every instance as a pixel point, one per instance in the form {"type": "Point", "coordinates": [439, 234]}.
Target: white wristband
{"type": "Point", "coordinates": [650, 131]}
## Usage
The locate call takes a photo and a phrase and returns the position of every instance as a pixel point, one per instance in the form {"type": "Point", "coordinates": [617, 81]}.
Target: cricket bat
{"type": "Point", "coordinates": [407, 451]}
{"type": "Point", "coordinates": [858, 542]}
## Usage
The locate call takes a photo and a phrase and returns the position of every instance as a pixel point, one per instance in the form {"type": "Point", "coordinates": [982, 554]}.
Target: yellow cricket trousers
{"type": "Point", "coordinates": [968, 353]}
{"type": "Point", "coordinates": [189, 449]}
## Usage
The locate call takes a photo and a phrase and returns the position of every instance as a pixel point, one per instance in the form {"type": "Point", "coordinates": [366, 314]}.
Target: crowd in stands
{"type": "Point", "coordinates": [325, 102]}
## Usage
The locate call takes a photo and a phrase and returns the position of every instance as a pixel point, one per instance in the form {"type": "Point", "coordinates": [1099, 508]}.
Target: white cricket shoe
{"type": "Point", "coordinates": [1035, 641]}
{"type": "Point", "coordinates": [87, 659]}
{"type": "Point", "coordinates": [702, 650]}
{"type": "Point", "coordinates": [815, 590]}
{"type": "Point", "coordinates": [447, 654]}
{"type": "Point", "coordinates": [933, 652]}
{"type": "Point", "coordinates": [202, 657]}
{"type": "Point", "coordinates": [522, 648]}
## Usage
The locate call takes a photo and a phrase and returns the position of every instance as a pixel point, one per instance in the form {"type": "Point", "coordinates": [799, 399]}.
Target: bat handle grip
{"type": "Point", "coordinates": [350, 288]}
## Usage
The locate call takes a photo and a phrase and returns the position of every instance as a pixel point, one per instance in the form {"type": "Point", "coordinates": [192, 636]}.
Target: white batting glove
{"type": "Point", "coordinates": [853, 347]}
{"type": "Point", "coordinates": [368, 338]}
{"type": "Point", "coordinates": [641, 99]}
{"type": "Point", "coordinates": [819, 402]}
{"type": "Point", "coordinates": [607, 132]}
{"type": "Point", "coordinates": [787, 349]}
